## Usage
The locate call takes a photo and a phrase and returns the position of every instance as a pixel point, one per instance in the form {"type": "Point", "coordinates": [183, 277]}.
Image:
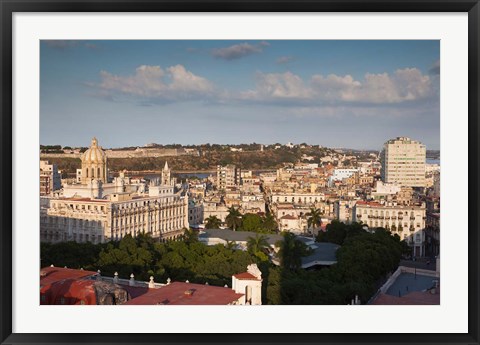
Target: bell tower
{"type": "Point", "coordinates": [166, 175]}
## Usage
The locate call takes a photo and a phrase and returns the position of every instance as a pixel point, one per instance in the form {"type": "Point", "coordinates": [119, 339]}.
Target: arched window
{"type": "Point", "coordinates": [98, 172]}
{"type": "Point", "coordinates": [87, 172]}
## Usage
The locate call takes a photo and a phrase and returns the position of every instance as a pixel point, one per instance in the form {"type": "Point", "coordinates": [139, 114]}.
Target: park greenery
{"type": "Point", "coordinates": [251, 222]}
{"type": "Point", "coordinates": [364, 260]}
{"type": "Point", "coordinates": [183, 260]}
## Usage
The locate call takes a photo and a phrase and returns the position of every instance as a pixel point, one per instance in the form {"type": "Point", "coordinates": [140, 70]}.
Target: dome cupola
{"type": "Point", "coordinates": [94, 163]}
{"type": "Point", "coordinates": [94, 154]}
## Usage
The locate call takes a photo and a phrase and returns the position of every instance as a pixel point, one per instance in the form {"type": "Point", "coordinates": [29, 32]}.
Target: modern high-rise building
{"type": "Point", "coordinates": [403, 162]}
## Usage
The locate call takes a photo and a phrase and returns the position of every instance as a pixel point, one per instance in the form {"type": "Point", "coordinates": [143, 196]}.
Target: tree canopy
{"type": "Point", "coordinates": [234, 218]}
{"type": "Point", "coordinates": [212, 222]}
{"type": "Point", "coordinates": [363, 262]}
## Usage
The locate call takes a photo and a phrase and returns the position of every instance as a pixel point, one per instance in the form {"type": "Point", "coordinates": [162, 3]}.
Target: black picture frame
{"type": "Point", "coordinates": [9, 7]}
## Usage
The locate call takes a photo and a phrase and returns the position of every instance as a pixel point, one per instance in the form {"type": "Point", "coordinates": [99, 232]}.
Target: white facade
{"type": "Point", "coordinates": [406, 221]}
{"type": "Point", "coordinates": [215, 209]}
{"type": "Point", "coordinates": [297, 198]}
{"type": "Point", "coordinates": [340, 174]}
{"type": "Point", "coordinates": [403, 162]}
{"type": "Point", "coordinates": [195, 213]}
{"type": "Point", "coordinates": [343, 210]}
{"type": "Point", "coordinates": [102, 220]}
{"type": "Point", "coordinates": [292, 223]}
{"type": "Point", "coordinates": [249, 284]}
{"type": "Point", "coordinates": [383, 189]}
{"type": "Point", "coordinates": [96, 211]}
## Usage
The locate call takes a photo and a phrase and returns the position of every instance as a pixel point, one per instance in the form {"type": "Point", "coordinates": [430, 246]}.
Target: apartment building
{"type": "Point", "coordinates": [403, 162]}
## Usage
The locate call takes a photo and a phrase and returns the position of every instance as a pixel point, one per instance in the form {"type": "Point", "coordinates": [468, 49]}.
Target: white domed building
{"type": "Point", "coordinates": [96, 210]}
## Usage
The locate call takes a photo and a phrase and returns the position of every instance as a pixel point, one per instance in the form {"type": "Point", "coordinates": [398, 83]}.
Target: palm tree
{"type": "Point", "coordinates": [314, 218]}
{"type": "Point", "coordinates": [269, 224]}
{"type": "Point", "coordinates": [257, 244]}
{"type": "Point", "coordinates": [212, 222]}
{"type": "Point", "coordinates": [189, 235]}
{"type": "Point", "coordinates": [234, 218]}
{"type": "Point", "coordinates": [231, 245]}
{"type": "Point", "coordinates": [292, 251]}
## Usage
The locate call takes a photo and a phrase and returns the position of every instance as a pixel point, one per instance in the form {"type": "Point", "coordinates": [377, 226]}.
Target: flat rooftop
{"type": "Point", "coordinates": [324, 253]}
{"type": "Point", "coordinates": [408, 282]}
{"type": "Point", "coordinates": [237, 236]}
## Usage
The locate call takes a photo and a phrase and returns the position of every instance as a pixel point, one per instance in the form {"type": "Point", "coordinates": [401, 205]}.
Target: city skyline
{"type": "Point", "coordinates": [350, 94]}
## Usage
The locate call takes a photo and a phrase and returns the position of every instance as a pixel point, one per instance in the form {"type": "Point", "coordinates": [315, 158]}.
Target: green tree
{"type": "Point", "coordinates": [231, 245]}
{"type": "Point", "coordinates": [291, 251]}
{"type": "Point", "coordinates": [336, 232]}
{"type": "Point", "coordinates": [252, 222]}
{"type": "Point", "coordinates": [269, 224]}
{"type": "Point", "coordinates": [212, 222]}
{"type": "Point", "coordinates": [189, 235]}
{"type": "Point", "coordinates": [314, 219]}
{"type": "Point", "coordinates": [257, 246]}
{"type": "Point", "coordinates": [234, 218]}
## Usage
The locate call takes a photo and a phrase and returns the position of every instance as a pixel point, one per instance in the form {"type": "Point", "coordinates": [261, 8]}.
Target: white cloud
{"type": "Point", "coordinates": [185, 81]}
{"type": "Point", "coordinates": [407, 84]}
{"type": "Point", "coordinates": [278, 86]}
{"type": "Point", "coordinates": [155, 83]}
{"type": "Point", "coordinates": [238, 50]}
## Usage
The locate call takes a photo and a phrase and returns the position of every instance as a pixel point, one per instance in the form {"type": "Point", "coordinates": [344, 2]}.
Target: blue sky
{"type": "Point", "coordinates": [355, 94]}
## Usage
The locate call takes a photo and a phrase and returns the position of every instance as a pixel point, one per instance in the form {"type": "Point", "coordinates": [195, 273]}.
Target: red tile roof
{"type": "Point", "coordinates": [245, 276]}
{"type": "Point", "coordinates": [69, 292]}
{"type": "Point", "coordinates": [178, 293]}
{"type": "Point", "coordinates": [369, 203]}
{"type": "Point", "coordinates": [49, 275]}
{"type": "Point", "coordinates": [84, 199]}
{"type": "Point", "coordinates": [287, 216]}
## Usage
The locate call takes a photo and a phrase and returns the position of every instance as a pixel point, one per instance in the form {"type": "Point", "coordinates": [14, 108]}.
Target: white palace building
{"type": "Point", "coordinates": [96, 210]}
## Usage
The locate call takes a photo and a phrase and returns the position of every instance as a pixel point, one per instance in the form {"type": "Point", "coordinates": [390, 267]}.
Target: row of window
{"type": "Point", "coordinates": [387, 213]}
{"type": "Point", "coordinates": [139, 204]}
{"type": "Point", "coordinates": [404, 226]}
{"type": "Point", "coordinates": [62, 236]}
